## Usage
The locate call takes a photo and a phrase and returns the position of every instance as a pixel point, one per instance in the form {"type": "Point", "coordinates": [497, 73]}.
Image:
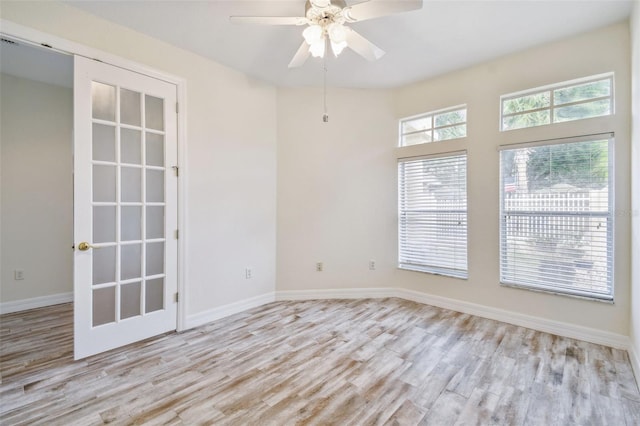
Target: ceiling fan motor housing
{"type": "Point", "coordinates": [323, 16]}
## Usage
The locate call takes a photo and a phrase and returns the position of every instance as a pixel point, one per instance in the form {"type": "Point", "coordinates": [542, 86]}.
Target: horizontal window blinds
{"type": "Point", "coordinates": [556, 222]}
{"type": "Point", "coordinates": [433, 214]}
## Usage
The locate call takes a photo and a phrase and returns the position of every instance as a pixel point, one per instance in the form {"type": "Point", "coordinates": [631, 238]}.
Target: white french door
{"type": "Point", "coordinates": [125, 207]}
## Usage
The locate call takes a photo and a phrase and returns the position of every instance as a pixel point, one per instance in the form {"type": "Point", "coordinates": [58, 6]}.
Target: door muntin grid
{"type": "Point", "coordinates": [128, 203]}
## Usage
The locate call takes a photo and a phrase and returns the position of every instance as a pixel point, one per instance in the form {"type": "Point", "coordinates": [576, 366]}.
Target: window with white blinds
{"type": "Point", "coordinates": [556, 217]}
{"type": "Point", "coordinates": [433, 214]}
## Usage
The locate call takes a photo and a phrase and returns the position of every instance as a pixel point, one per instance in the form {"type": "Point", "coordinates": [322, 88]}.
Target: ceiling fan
{"type": "Point", "coordinates": [326, 21]}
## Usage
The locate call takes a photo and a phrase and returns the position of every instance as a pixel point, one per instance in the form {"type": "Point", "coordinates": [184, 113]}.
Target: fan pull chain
{"type": "Point", "coordinates": [325, 116]}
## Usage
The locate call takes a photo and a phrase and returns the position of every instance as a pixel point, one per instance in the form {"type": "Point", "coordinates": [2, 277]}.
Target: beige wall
{"type": "Point", "coordinates": [635, 185]}
{"type": "Point", "coordinates": [336, 189]}
{"type": "Point", "coordinates": [36, 232]}
{"type": "Point", "coordinates": [337, 182]}
{"type": "Point", "coordinates": [231, 154]}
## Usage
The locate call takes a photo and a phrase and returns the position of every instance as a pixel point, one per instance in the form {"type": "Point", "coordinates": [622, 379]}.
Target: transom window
{"type": "Point", "coordinates": [566, 101]}
{"type": "Point", "coordinates": [556, 222]}
{"type": "Point", "coordinates": [434, 126]}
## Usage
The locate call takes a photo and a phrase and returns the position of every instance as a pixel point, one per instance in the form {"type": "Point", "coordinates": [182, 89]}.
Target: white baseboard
{"type": "Point", "coordinates": [573, 331]}
{"type": "Point", "coordinates": [339, 293]}
{"type": "Point", "coordinates": [210, 315]}
{"type": "Point", "coordinates": [35, 302]}
{"type": "Point", "coordinates": [634, 358]}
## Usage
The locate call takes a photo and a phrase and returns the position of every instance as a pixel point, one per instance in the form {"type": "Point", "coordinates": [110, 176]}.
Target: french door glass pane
{"type": "Point", "coordinates": [104, 265]}
{"type": "Point", "coordinates": [131, 146]}
{"type": "Point", "coordinates": [130, 261]}
{"type": "Point", "coordinates": [104, 305]}
{"type": "Point", "coordinates": [131, 188]}
{"type": "Point", "coordinates": [155, 258]}
{"type": "Point", "coordinates": [103, 100]}
{"type": "Point", "coordinates": [155, 149]}
{"type": "Point", "coordinates": [155, 222]}
{"type": "Point", "coordinates": [131, 223]}
{"type": "Point", "coordinates": [130, 112]}
{"type": "Point", "coordinates": [155, 186]}
{"type": "Point", "coordinates": [154, 295]}
{"type": "Point", "coordinates": [104, 142]}
{"type": "Point", "coordinates": [130, 296]}
{"type": "Point", "coordinates": [104, 183]}
{"type": "Point", "coordinates": [154, 113]}
{"type": "Point", "coordinates": [104, 224]}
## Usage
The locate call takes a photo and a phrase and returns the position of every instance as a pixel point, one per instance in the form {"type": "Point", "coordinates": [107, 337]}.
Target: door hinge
{"type": "Point", "coordinates": [176, 169]}
{"type": "Point", "coordinates": [177, 108]}
{"type": "Point", "coordinates": [176, 297]}
{"type": "Point", "coordinates": [177, 234]}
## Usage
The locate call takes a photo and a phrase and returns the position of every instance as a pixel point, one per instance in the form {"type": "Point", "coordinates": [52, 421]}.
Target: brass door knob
{"type": "Point", "coordinates": [84, 246]}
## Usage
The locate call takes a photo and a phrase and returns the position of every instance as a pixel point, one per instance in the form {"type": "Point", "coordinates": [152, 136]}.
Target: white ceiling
{"type": "Point", "coordinates": [441, 37]}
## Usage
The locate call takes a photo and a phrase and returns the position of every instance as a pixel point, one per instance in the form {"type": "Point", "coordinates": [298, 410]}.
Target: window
{"type": "Point", "coordinates": [556, 223]}
{"type": "Point", "coordinates": [567, 101]}
{"type": "Point", "coordinates": [434, 126]}
{"type": "Point", "coordinates": [433, 214]}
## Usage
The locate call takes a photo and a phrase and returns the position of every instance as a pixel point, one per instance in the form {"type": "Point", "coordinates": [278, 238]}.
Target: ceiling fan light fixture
{"type": "Point", "coordinates": [337, 48]}
{"type": "Point", "coordinates": [317, 48]}
{"type": "Point", "coordinates": [312, 34]}
{"type": "Point", "coordinates": [337, 33]}
{"type": "Point", "coordinates": [326, 21]}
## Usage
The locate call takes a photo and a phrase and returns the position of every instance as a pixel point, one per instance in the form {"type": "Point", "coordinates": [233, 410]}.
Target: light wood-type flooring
{"type": "Point", "coordinates": [342, 362]}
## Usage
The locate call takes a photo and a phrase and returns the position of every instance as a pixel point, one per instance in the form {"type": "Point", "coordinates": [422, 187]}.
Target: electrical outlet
{"type": "Point", "coordinates": [372, 265]}
{"type": "Point", "coordinates": [248, 273]}
{"type": "Point", "coordinates": [319, 266]}
{"type": "Point", "coordinates": [18, 274]}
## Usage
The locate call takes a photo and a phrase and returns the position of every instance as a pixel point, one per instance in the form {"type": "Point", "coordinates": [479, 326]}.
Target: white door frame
{"type": "Point", "coordinates": [38, 38]}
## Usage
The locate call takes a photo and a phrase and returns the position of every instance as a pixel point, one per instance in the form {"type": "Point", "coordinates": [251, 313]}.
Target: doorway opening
{"type": "Point", "coordinates": [36, 150]}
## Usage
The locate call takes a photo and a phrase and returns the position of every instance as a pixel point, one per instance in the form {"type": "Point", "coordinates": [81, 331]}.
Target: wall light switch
{"type": "Point", "coordinates": [18, 274]}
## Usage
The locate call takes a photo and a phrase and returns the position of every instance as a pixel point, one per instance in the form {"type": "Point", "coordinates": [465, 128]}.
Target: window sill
{"type": "Point", "coordinates": [438, 272]}
{"type": "Point", "coordinates": [602, 299]}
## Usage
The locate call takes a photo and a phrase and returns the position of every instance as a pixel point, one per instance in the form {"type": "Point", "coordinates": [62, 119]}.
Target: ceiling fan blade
{"type": "Point", "coordinates": [269, 20]}
{"type": "Point", "coordinates": [301, 56]}
{"type": "Point", "coordinates": [371, 9]}
{"type": "Point", "coordinates": [362, 46]}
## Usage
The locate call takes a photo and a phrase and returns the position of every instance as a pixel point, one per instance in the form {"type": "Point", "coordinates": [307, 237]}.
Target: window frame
{"type": "Point", "coordinates": [551, 88]}
{"type": "Point", "coordinates": [431, 115]}
{"type": "Point", "coordinates": [424, 268]}
{"type": "Point", "coordinates": [609, 215]}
